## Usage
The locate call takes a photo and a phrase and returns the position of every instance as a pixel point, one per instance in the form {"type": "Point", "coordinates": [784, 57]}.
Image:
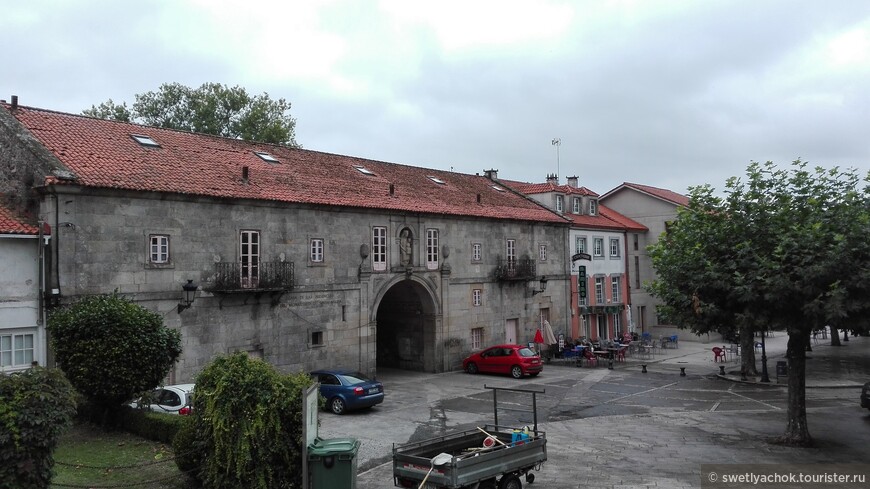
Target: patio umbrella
{"type": "Point", "coordinates": [548, 333]}
{"type": "Point", "coordinates": [539, 338]}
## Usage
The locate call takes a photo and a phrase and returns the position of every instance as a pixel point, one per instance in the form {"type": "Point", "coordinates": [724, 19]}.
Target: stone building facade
{"type": "Point", "coordinates": [306, 259]}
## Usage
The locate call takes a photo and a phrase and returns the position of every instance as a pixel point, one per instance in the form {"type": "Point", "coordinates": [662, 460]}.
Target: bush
{"type": "Point", "coordinates": [188, 450]}
{"type": "Point", "coordinates": [112, 349]}
{"type": "Point", "coordinates": [35, 407]}
{"type": "Point", "coordinates": [151, 426]}
{"type": "Point", "coordinates": [248, 419]}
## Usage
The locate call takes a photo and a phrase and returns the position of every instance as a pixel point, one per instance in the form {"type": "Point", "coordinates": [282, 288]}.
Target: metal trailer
{"type": "Point", "coordinates": [467, 460]}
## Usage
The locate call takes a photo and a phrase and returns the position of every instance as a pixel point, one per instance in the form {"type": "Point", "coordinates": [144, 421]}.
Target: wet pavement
{"type": "Point", "coordinates": [624, 428]}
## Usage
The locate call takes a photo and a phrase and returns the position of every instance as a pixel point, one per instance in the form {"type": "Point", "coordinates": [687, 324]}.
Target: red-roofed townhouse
{"type": "Point", "coordinates": [654, 208]}
{"type": "Point", "coordinates": [306, 259]}
{"type": "Point", "coordinates": [22, 313]}
{"type": "Point", "coordinates": [598, 247]}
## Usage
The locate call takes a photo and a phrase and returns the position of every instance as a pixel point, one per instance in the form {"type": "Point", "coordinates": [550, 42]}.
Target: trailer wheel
{"type": "Point", "coordinates": [510, 481]}
{"type": "Point", "coordinates": [487, 484]}
{"type": "Point", "coordinates": [530, 478]}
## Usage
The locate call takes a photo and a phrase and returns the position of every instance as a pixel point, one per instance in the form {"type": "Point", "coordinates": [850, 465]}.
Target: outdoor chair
{"type": "Point", "coordinates": [590, 357]}
{"type": "Point", "coordinates": [675, 340]}
{"type": "Point", "coordinates": [620, 354]}
{"type": "Point", "coordinates": [718, 354]}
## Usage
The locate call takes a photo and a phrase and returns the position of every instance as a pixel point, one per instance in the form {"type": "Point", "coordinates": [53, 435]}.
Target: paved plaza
{"type": "Point", "coordinates": [625, 428]}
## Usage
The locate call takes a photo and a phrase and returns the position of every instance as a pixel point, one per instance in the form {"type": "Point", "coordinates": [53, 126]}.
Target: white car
{"type": "Point", "coordinates": [169, 399]}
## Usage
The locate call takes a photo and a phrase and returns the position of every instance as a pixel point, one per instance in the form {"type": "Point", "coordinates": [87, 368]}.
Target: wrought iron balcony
{"type": "Point", "coordinates": [521, 269]}
{"type": "Point", "coordinates": [263, 277]}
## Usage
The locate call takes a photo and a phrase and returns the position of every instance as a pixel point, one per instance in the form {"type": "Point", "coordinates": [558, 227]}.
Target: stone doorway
{"type": "Point", "coordinates": [406, 328]}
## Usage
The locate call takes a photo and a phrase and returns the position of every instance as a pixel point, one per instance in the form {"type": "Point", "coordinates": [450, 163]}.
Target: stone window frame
{"type": "Point", "coordinates": [316, 256]}
{"type": "Point", "coordinates": [617, 249]}
{"type": "Point", "coordinates": [476, 252]}
{"type": "Point", "coordinates": [596, 254]}
{"type": "Point", "coordinates": [542, 252]}
{"type": "Point", "coordinates": [149, 237]}
{"type": "Point", "coordinates": [379, 248]}
{"type": "Point", "coordinates": [476, 297]}
{"type": "Point", "coordinates": [316, 339]}
{"type": "Point", "coordinates": [477, 338]}
{"type": "Point", "coordinates": [432, 239]}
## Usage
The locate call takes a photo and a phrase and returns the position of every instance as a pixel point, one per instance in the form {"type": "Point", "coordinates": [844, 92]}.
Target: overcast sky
{"type": "Point", "coordinates": [663, 93]}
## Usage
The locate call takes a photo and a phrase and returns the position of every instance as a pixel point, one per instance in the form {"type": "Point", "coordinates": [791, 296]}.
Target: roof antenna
{"type": "Point", "coordinates": [557, 142]}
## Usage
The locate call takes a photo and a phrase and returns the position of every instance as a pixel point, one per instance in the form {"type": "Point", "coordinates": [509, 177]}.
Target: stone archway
{"type": "Point", "coordinates": [406, 321]}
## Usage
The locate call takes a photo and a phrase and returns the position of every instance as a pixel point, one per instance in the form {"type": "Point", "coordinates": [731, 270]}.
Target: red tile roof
{"type": "Point", "coordinates": [11, 223]}
{"type": "Point", "coordinates": [102, 153]}
{"type": "Point", "coordinates": [660, 193]}
{"type": "Point", "coordinates": [606, 218]}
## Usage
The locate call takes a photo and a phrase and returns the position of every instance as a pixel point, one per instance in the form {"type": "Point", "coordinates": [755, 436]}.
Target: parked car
{"type": "Point", "coordinates": [865, 396]}
{"type": "Point", "coordinates": [516, 360]}
{"type": "Point", "coordinates": [346, 390]}
{"type": "Point", "coordinates": [169, 399]}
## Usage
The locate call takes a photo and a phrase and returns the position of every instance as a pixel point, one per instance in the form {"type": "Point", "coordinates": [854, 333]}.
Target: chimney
{"type": "Point", "coordinates": [553, 179]}
{"type": "Point", "coordinates": [15, 101]}
{"type": "Point", "coordinates": [491, 174]}
{"type": "Point", "coordinates": [572, 181]}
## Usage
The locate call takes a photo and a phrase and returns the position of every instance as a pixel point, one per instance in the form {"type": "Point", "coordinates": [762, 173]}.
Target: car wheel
{"type": "Point", "coordinates": [471, 368]}
{"type": "Point", "coordinates": [516, 372]}
{"type": "Point", "coordinates": [337, 405]}
{"type": "Point", "coordinates": [510, 481]}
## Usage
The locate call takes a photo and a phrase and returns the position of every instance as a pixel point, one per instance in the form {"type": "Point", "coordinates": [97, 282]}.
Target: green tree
{"type": "Point", "coordinates": [786, 249]}
{"type": "Point", "coordinates": [248, 419]}
{"type": "Point", "coordinates": [35, 407]}
{"type": "Point", "coordinates": [210, 109]}
{"type": "Point", "coordinates": [112, 349]}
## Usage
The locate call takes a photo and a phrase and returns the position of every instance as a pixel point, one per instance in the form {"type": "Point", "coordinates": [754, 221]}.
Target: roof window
{"type": "Point", "coordinates": [363, 170]}
{"type": "Point", "coordinates": [437, 180]}
{"type": "Point", "coordinates": [266, 156]}
{"type": "Point", "coordinates": [145, 140]}
{"type": "Point", "coordinates": [498, 188]}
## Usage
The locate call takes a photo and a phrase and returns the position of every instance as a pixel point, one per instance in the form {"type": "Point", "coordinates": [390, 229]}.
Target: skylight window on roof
{"type": "Point", "coordinates": [145, 140]}
{"type": "Point", "coordinates": [266, 156]}
{"type": "Point", "coordinates": [437, 180]}
{"type": "Point", "coordinates": [498, 188]}
{"type": "Point", "coordinates": [363, 170]}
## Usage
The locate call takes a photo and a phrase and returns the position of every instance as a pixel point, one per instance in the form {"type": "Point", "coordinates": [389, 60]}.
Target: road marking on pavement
{"type": "Point", "coordinates": [771, 406]}
{"type": "Point", "coordinates": [641, 392]}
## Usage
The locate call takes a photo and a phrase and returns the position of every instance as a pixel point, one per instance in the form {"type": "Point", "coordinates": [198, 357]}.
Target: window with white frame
{"type": "Point", "coordinates": [560, 203]}
{"type": "Point", "coordinates": [593, 207]}
{"type": "Point", "coordinates": [617, 322]}
{"type": "Point", "coordinates": [379, 248]}
{"type": "Point", "coordinates": [158, 249]}
{"type": "Point", "coordinates": [542, 252]}
{"type": "Point", "coordinates": [316, 250]}
{"type": "Point", "coordinates": [576, 206]}
{"type": "Point", "coordinates": [580, 244]}
{"type": "Point", "coordinates": [249, 258]}
{"type": "Point", "coordinates": [477, 297]}
{"type": "Point", "coordinates": [599, 290]}
{"type": "Point", "coordinates": [16, 350]}
{"type": "Point", "coordinates": [476, 338]}
{"type": "Point", "coordinates": [614, 247]}
{"type": "Point", "coordinates": [598, 247]}
{"type": "Point", "coordinates": [511, 253]}
{"type": "Point", "coordinates": [476, 252]}
{"type": "Point", "coordinates": [432, 249]}
{"type": "Point", "coordinates": [615, 291]}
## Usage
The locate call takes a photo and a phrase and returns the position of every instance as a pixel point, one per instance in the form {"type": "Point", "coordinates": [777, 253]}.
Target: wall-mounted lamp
{"type": "Point", "coordinates": [543, 285]}
{"type": "Point", "coordinates": [189, 295]}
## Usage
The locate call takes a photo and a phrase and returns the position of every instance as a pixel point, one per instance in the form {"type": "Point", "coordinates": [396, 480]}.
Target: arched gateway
{"type": "Point", "coordinates": [407, 318]}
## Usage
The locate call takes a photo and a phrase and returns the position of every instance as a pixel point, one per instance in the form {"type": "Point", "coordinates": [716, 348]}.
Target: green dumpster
{"type": "Point", "coordinates": [332, 463]}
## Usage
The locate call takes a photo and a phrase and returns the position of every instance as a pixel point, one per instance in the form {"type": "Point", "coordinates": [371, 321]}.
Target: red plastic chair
{"type": "Point", "coordinates": [620, 354]}
{"type": "Point", "coordinates": [718, 354]}
{"type": "Point", "coordinates": [590, 357]}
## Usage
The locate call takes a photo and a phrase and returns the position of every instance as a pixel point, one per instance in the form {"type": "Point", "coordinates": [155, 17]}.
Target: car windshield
{"type": "Point", "coordinates": [354, 378]}
{"type": "Point", "coordinates": [525, 352]}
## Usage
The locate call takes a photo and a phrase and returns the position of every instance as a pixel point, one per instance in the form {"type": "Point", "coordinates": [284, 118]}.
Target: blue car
{"type": "Point", "coordinates": [346, 390]}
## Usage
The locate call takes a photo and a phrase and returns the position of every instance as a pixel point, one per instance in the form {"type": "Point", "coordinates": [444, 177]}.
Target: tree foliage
{"type": "Point", "coordinates": [35, 407]}
{"type": "Point", "coordinates": [210, 109]}
{"type": "Point", "coordinates": [248, 419]}
{"type": "Point", "coordinates": [112, 349]}
{"type": "Point", "coordinates": [785, 249]}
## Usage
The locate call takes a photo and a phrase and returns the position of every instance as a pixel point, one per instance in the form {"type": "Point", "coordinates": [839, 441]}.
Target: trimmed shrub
{"type": "Point", "coordinates": [248, 419]}
{"type": "Point", "coordinates": [151, 426]}
{"type": "Point", "coordinates": [112, 349]}
{"type": "Point", "coordinates": [35, 407]}
{"type": "Point", "coordinates": [188, 450]}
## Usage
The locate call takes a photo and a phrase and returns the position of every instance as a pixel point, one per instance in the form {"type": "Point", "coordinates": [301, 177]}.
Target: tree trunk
{"type": "Point", "coordinates": [747, 348]}
{"type": "Point", "coordinates": [835, 338]}
{"type": "Point", "coordinates": [797, 432]}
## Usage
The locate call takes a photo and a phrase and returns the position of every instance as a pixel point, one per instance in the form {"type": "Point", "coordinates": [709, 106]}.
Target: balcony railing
{"type": "Point", "coordinates": [264, 277]}
{"type": "Point", "coordinates": [515, 269]}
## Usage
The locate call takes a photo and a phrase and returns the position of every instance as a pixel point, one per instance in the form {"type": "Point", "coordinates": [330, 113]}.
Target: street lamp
{"type": "Point", "coordinates": [543, 283]}
{"type": "Point", "coordinates": [764, 376]}
{"type": "Point", "coordinates": [189, 295]}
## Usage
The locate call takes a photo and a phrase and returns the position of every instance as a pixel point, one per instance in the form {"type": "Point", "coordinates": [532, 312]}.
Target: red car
{"type": "Point", "coordinates": [516, 360]}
